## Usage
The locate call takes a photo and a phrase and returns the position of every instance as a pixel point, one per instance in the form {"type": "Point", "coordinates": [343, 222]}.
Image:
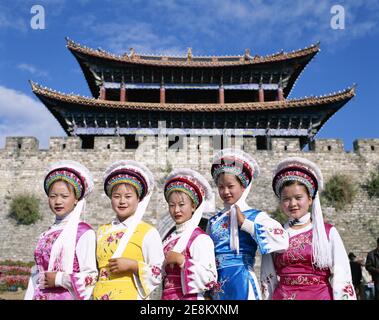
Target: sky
{"type": "Point", "coordinates": [348, 32]}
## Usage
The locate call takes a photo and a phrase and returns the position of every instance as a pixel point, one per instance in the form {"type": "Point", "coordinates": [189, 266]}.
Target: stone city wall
{"type": "Point", "coordinates": [23, 165]}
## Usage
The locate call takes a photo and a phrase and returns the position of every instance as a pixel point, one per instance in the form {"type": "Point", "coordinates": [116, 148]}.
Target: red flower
{"type": "Point", "coordinates": [278, 231]}
{"type": "Point", "coordinates": [110, 239]}
{"type": "Point", "coordinates": [119, 235]}
{"type": "Point", "coordinates": [155, 271]}
{"type": "Point", "coordinates": [88, 281]}
{"type": "Point", "coordinates": [105, 297]}
{"type": "Point", "coordinates": [214, 286]}
{"type": "Point", "coordinates": [225, 225]}
{"type": "Point", "coordinates": [349, 290]}
{"type": "Point", "coordinates": [104, 273]}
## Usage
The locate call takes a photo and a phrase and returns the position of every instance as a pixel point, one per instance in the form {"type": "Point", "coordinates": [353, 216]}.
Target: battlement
{"type": "Point", "coordinates": [21, 145]}
{"type": "Point", "coordinates": [366, 145]}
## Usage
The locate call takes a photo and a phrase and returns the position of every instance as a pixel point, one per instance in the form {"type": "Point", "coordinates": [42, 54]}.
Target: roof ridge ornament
{"type": "Point", "coordinates": [189, 54]}
{"type": "Point", "coordinates": [132, 53]}
{"type": "Point", "coordinates": [247, 55]}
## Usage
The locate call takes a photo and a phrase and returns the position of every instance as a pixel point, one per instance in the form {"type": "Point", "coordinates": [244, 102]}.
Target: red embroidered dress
{"type": "Point", "coordinates": [299, 280]}
{"type": "Point", "coordinates": [198, 273]}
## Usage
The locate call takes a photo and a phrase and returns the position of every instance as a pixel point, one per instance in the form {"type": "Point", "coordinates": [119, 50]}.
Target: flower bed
{"type": "Point", "coordinates": [14, 275]}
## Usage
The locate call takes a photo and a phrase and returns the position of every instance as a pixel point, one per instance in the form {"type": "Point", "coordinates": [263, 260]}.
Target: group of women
{"type": "Point", "coordinates": [126, 259]}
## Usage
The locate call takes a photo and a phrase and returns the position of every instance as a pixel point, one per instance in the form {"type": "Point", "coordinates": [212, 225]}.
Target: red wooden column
{"type": "Point", "coordinates": [122, 93]}
{"type": "Point", "coordinates": [221, 95]}
{"type": "Point", "coordinates": [261, 93]}
{"type": "Point", "coordinates": [103, 93]}
{"type": "Point", "coordinates": [162, 95]}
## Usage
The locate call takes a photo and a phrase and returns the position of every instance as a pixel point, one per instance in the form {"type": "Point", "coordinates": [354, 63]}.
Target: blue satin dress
{"type": "Point", "coordinates": [236, 277]}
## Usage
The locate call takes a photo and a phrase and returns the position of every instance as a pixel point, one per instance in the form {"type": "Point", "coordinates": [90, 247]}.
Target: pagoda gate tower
{"type": "Point", "coordinates": [241, 95]}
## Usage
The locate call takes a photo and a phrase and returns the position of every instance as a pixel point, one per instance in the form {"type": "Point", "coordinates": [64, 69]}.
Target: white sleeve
{"type": "Point", "coordinates": [267, 232]}
{"type": "Point", "coordinates": [81, 284]}
{"type": "Point", "coordinates": [149, 271]}
{"type": "Point", "coordinates": [33, 283]}
{"type": "Point", "coordinates": [341, 281]}
{"type": "Point", "coordinates": [199, 273]}
{"type": "Point", "coordinates": [269, 279]}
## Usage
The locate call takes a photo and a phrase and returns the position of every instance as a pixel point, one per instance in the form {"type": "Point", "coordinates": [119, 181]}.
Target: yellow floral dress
{"type": "Point", "coordinates": [145, 246]}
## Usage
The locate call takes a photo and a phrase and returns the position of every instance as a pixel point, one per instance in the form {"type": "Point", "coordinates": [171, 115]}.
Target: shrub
{"type": "Point", "coordinates": [279, 216]}
{"type": "Point", "coordinates": [372, 185]}
{"type": "Point", "coordinates": [25, 209]}
{"type": "Point", "coordinates": [339, 191]}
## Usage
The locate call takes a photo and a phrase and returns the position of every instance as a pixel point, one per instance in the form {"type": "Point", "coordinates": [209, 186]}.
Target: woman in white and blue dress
{"type": "Point", "coordinates": [239, 230]}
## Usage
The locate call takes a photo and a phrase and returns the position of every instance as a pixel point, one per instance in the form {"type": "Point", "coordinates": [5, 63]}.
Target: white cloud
{"type": "Point", "coordinates": [9, 20]}
{"type": "Point", "coordinates": [120, 37]}
{"type": "Point", "coordinates": [21, 115]}
{"type": "Point", "coordinates": [169, 26]}
{"type": "Point", "coordinates": [32, 69]}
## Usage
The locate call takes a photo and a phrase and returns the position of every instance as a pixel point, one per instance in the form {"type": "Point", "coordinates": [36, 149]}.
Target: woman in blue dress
{"type": "Point", "coordinates": [239, 230]}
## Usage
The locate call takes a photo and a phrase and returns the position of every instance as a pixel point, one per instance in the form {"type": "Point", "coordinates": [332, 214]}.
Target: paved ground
{"type": "Point", "coordinates": [10, 295]}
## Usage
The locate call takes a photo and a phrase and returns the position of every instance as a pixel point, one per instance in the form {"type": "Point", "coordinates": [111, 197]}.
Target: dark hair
{"type": "Point", "coordinates": [377, 241]}
{"type": "Point", "coordinates": [69, 186]}
{"type": "Point", "coordinates": [133, 187]}
{"type": "Point", "coordinates": [237, 178]}
{"type": "Point", "coordinates": [292, 182]}
{"type": "Point", "coordinates": [180, 194]}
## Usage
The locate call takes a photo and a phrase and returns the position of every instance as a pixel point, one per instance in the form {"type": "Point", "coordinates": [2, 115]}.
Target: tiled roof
{"type": "Point", "coordinates": [210, 61]}
{"type": "Point", "coordinates": [193, 107]}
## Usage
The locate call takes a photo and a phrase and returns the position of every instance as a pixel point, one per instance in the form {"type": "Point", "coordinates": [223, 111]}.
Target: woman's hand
{"type": "Point", "coordinates": [174, 258]}
{"type": "Point", "coordinates": [119, 265]}
{"type": "Point", "coordinates": [48, 280]}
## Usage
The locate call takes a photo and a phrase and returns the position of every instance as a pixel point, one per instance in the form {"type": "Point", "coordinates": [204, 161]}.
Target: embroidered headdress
{"type": "Point", "coordinates": [188, 181]}
{"type": "Point", "coordinates": [298, 169]}
{"type": "Point", "coordinates": [72, 172]}
{"type": "Point", "coordinates": [237, 162]}
{"type": "Point", "coordinates": [129, 172]}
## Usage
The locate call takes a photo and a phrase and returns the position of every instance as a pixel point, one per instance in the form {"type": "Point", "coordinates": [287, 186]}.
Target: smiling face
{"type": "Point", "coordinates": [180, 206]}
{"type": "Point", "coordinates": [61, 198]}
{"type": "Point", "coordinates": [124, 200]}
{"type": "Point", "coordinates": [230, 188]}
{"type": "Point", "coordinates": [295, 200]}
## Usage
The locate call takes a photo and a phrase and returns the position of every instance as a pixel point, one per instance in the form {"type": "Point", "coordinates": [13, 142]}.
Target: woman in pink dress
{"type": "Point", "coordinates": [315, 266]}
{"type": "Point", "coordinates": [65, 257]}
{"type": "Point", "coordinates": [189, 266]}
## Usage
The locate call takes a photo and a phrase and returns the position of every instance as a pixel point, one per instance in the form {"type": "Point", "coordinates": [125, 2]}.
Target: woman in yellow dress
{"type": "Point", "coordinates": [129, 251]}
